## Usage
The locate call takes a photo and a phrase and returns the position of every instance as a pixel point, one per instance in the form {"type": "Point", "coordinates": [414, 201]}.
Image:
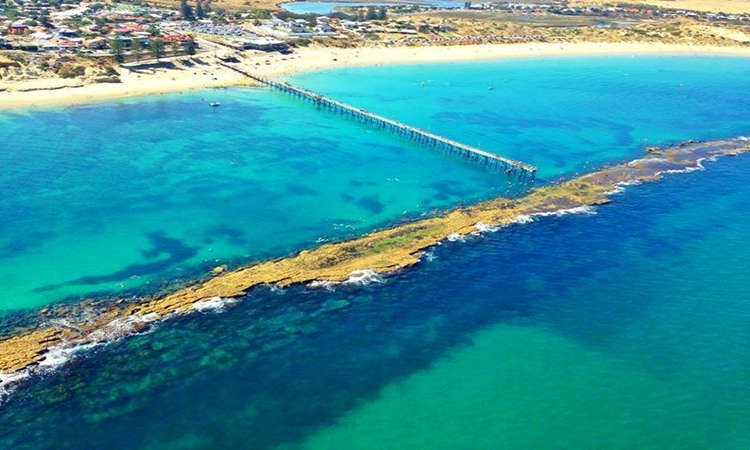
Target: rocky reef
{"type": "Point", "coordinates": [24, 351]}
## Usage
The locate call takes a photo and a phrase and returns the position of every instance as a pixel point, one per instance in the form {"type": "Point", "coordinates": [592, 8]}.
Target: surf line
{"type": "Point", "coordinates": [24, 353]}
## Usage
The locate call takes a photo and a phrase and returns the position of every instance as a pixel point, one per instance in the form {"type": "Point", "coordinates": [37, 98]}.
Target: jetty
{"type": "Point", "coordinates": [509, 166]}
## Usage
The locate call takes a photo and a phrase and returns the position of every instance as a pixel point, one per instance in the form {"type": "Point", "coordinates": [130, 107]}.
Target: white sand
{"type": "Point", "coordinates": [306, 59]}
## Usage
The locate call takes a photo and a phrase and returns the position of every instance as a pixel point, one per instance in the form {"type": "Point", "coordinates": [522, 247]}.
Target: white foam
{"type": "Point", "coordinates": [8, 380]}
{"type": "Point", "coordinates": [55, 357]}
{"type": "Point", "coordinates": [357, 277]}
{"type": "Point", "coordinates": [484, 228]}
{"type": "Point", "coordinates": [522, 219]}
{"type": "Point", "coordinates": [276, 289]}
{"type": "Point", "coordinates": [61, 354]}
{"type": "Point", "coordinates": [637, 162]}
{"type": "Point", "coordinates": [698, 166]}
{"type": "Point", "coordinates": [564, 212]}
{"type": "Point", "coordinates": [213, 304]}
{"type": "Point", "coordinates": [121, 327]}
{"type": "Point", "coordinates": [58, 355]}
{"type": "Point", "coordinates": [322, 284]}
{"type": "Point", "coordinates": [455, 237]}
{"type": "Point", "coordinates": [617, 190]}
{"type": "Point", "coordinates": [364, 277]}
{"type": "Point", "coordinates": [620, 187]}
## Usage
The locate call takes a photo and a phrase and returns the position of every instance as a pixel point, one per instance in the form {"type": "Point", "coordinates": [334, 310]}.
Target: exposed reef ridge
{"type": "Point", "coordinates": [24, 352]}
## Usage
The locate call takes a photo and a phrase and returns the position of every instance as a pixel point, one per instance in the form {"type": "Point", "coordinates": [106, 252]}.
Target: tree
{"type": "Point", "coordinates": [157, 47]}
{"type": "Point", "coordinates": [199, 10]}
{"type": "Point", "coordinates": [262, 14]}
{"type": "Point", "coordinates": [371, 14]}
{"type": "Point", "coordinates": [186, 10]}
{"type": "Point", "coordinates": [44, 19]}
{"type": "Point", "coordinates": [136, 44]}
{"type": "Point", "coordinates": [189, 46]}
{"type": "Point", "coordinates": [117, 51]}
{"type": "Point", "coordinates": [382, 15]}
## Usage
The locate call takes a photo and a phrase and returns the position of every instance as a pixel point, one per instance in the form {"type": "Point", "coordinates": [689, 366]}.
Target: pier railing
{"type": "Point", "coordinates": [419, 135]}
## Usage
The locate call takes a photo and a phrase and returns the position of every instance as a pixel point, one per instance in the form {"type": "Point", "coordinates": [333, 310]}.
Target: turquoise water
{"type": "Point", "coordinates": [625, 329]}
{"type": "Point", "coordinates": [128, 195]}
{"type": "Point", "coordinates": [329, 7]}
{"type": "Point", "coordinates": [563, 115]}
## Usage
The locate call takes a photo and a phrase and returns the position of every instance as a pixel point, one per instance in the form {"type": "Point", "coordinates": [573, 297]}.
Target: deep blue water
{"type": "Point", "coordinates": [625, 329]}
{"type": "Point", "coordinates": [646, 301]}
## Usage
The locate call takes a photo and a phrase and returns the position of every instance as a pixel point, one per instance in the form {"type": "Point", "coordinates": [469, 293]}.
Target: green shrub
{"type": "Point", "coordinates": [71, 71]}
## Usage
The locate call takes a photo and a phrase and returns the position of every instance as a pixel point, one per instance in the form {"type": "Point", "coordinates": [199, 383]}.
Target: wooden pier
{"type": "Point", "coordinates": [419, 135]}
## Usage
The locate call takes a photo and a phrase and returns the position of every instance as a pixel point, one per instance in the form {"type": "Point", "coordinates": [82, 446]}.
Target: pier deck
{"type": "Point", "coordinates": [417, 134]}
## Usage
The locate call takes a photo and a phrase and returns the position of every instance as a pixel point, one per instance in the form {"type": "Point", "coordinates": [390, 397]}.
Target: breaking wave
{"type": "Point", "coordinates": [455, 237]}
{"type": "Point", "coordinates": [216, 304]}
{"type": "Point", "coordinates": [364, 277]}
{"type": "Point", "coordinates": [60, 354]}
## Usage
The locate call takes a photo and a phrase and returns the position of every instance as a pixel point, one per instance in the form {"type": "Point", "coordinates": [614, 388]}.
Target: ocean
{"type": "Point", "coordinates": [623, 328]}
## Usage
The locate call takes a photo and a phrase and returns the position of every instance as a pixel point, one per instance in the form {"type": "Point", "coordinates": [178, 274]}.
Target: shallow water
{"type": "Point", "coordinates": [103, 198]}
{"type": "Point", "coordinates": [564, 115]}
{"type": "Point", "coordinates": [624, 329]}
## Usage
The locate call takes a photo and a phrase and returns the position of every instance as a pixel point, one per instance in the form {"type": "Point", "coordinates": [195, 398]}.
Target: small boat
{"type": "Point", "coordinates": [214, 104]}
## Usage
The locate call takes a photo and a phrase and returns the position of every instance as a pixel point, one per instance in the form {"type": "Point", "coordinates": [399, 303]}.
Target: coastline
{"type": "Point", "coordinates": [164, 81]}
{"type": "Point", "coordinates": [27, 352]}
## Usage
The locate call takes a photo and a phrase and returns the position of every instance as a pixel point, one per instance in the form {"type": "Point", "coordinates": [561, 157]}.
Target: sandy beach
{"type": "Point", "coordinates": [58, 92]}
{"type": "Point", "coordinates": [212, 75]}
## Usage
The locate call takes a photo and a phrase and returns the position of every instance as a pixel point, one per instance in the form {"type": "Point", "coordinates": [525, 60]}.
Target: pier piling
{"type": "Point", "coordinates": [509, 166]}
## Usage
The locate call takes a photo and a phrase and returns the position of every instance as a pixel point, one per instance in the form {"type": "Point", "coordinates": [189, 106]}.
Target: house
{"type": "Point", "coordinates": [127, 28]}
{"type": "Point", "coordinates": [323, 28]}
{"type": "Point", "coordinates": [177, 38]}
{"type": "Point", "coordinates": [422, 27]}
{"type": "Point", "coordinates": [95, 44]}
{"type": "Point", "coordinates": [61, 44]}
{"type": "Point", "coordinates": [18, 28]}
{"type": "Point", "coordinates": [296, 26]}
{"type": "Point", "coordinates": [264, 44]}
{"type": "Point", "coordinates": [64, 31]}
{"type": "Point", "coordinates": [275, 22]}
{"type": "Point", "coordinates": [126, 42]}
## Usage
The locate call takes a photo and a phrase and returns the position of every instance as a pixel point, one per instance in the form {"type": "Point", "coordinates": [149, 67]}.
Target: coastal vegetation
{"type": "Point", "coordinates": [108, 41]}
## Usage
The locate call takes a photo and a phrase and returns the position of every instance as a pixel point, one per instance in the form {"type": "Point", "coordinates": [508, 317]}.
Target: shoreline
{"type": "Point", "coordinates": [28, 352]}
{"type": "Point", "coordinates": [166, 81]}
